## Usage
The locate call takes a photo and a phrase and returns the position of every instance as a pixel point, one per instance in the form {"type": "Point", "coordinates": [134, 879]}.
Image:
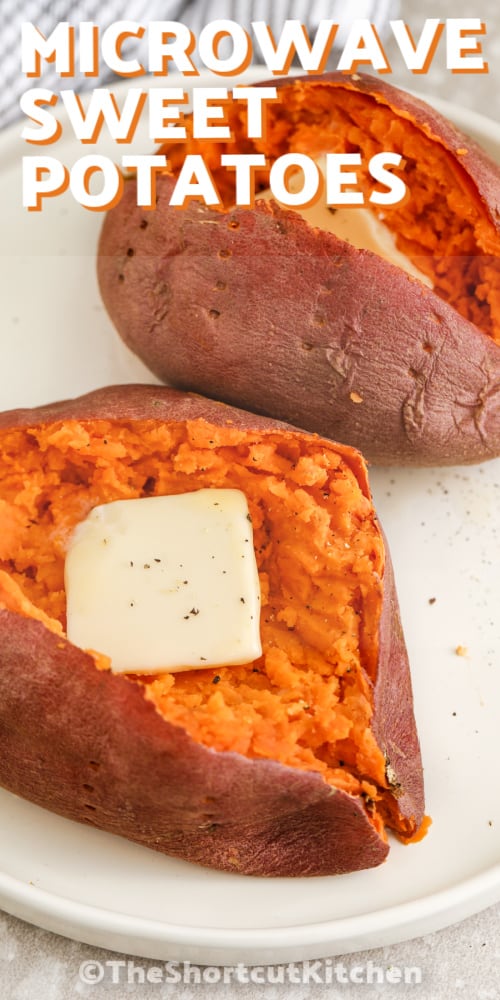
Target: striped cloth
{"type": "Point", "coordinates": [45, 14]}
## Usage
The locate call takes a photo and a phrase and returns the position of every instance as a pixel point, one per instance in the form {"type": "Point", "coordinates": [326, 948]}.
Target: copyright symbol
{"type": "Point", "coordinates": [91, 973]}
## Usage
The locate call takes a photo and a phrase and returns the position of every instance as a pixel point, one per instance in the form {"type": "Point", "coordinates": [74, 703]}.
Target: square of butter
{"type": "Point", "coordinates": [166, 583]}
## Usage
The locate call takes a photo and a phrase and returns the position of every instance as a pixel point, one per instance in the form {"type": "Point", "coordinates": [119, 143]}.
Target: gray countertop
{"type": "Point", "coordinates": [463, 960]}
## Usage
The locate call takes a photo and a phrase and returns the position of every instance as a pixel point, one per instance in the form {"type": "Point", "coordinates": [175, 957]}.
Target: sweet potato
{"type": "Point", "coordinates": [255, 307]}
{"type": "Point", "coordinates": [294, 764]}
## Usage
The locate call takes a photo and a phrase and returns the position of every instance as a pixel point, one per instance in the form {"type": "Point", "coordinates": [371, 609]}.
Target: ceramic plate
{"type": "Point", "coordinates": [56, 341]}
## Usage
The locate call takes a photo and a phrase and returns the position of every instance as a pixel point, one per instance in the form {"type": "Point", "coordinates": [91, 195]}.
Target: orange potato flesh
{"type": "Point", "coordinates": [308, 701]}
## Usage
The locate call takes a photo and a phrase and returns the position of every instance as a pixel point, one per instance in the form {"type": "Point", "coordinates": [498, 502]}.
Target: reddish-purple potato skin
{"type": "Point", "coordinates": [254, 307]}
{"type": "Point", "coordinates": [87, 745]}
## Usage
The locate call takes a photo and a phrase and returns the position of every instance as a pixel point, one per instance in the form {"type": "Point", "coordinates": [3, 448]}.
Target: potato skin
{"type": "Point", "coordinates": [87, 745]}
{"type": "Point", "coordinates": [254, 307]}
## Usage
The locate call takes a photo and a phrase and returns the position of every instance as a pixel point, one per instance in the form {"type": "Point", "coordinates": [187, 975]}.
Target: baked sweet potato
{"type": "Point", "coordinates": [294, 764]}
{"type": "Point", "coordinates": [257, 308]}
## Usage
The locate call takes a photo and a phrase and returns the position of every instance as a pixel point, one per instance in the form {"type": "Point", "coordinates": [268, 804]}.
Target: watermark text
{"type": "Point", "coordinates": [320, 971]}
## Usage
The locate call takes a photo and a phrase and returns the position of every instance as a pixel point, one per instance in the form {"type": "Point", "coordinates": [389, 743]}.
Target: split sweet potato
{"type": "Point", "coordinates": [257, 308]}
{"type": "Point", "coordinates": [294, 764]}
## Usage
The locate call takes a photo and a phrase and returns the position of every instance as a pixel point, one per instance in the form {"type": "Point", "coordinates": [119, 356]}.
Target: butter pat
{"type": "Point", "coordinates": [166, 583]}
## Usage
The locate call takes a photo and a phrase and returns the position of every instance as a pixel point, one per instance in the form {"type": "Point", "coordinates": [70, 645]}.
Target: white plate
{"type": "Point", "coordinates": [56, 341]}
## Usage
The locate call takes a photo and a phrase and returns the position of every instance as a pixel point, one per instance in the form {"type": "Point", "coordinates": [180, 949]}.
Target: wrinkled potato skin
{"type": "Point", "coordinates": [254, 307]}
{"type": "Point", "coordinates": [87, 745]}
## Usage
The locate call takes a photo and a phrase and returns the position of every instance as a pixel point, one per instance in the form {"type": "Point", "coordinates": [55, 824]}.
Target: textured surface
{"type": "Point", "coordinates": [463, 961]}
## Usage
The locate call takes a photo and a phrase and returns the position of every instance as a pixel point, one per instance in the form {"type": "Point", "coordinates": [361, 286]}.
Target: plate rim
{"type": "Point", "coordinates": [313, 940]}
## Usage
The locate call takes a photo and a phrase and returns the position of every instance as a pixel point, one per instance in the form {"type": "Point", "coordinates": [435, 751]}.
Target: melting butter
{"type": "Point", "coordinates": [166, 583]}
{"type": "Point", "coordinates": [356, 225]}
